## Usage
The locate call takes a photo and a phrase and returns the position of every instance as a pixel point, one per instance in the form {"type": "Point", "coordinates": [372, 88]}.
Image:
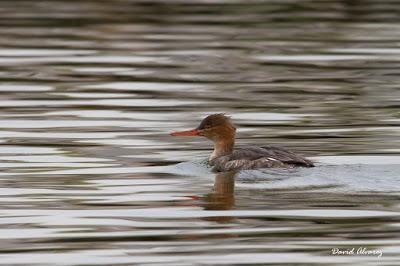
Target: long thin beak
{"type": "Point", "coordinates": [193, 132]}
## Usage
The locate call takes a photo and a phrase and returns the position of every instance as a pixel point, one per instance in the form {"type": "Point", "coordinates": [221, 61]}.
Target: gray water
{"type": "Point", "coordinates": [90, 91]}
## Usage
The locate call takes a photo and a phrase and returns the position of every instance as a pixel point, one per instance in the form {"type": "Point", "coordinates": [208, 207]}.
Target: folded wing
{"type": "Point", "coordinates": [259, 157]}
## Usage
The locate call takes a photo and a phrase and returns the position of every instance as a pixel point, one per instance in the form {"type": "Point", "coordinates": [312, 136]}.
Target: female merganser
{"type": "Point", "coordinates": [221, 131]}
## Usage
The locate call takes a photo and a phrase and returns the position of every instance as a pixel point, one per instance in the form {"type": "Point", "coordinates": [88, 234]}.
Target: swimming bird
{"type": "Point", "coordinates": [220, 129]}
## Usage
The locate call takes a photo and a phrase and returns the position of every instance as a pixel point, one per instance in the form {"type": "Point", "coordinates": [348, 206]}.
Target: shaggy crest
{"type": "Point", "coordinates": [213, 121]}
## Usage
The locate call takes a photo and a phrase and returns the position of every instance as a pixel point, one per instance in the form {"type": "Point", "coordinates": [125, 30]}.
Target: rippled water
{"type": "Point", "coordinates": [90, 90]}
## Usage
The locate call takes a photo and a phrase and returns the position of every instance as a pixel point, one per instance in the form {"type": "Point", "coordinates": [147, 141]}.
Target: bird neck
{"type": "Point", "coordinates": [223, 147]}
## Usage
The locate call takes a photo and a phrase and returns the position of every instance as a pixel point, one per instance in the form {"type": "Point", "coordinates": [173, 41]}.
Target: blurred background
{"type": "Point", "coordinates": [91, 89]}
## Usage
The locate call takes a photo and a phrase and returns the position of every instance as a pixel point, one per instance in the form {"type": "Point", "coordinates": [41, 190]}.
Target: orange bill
{"type": "Point", "coordinates": [193, 132]}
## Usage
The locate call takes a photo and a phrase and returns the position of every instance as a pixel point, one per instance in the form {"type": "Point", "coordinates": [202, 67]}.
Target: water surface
{"type": "Point", "coordinates": [91, 89]}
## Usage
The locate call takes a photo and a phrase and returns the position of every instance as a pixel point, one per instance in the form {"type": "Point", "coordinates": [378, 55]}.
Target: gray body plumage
{"type": "Point", "coordinates": [259, 157]}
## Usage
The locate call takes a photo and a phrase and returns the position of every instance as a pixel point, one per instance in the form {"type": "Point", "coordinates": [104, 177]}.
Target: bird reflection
{"type": "Point", "coordinates": [222, 197]}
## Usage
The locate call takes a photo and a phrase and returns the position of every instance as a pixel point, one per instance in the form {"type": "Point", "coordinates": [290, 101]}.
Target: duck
{"type": "Point", "coordinates": [222, 132]}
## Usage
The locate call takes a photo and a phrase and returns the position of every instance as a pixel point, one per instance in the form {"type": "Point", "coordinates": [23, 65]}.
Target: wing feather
{"type": "Point", "coordinates": [259, 157]}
